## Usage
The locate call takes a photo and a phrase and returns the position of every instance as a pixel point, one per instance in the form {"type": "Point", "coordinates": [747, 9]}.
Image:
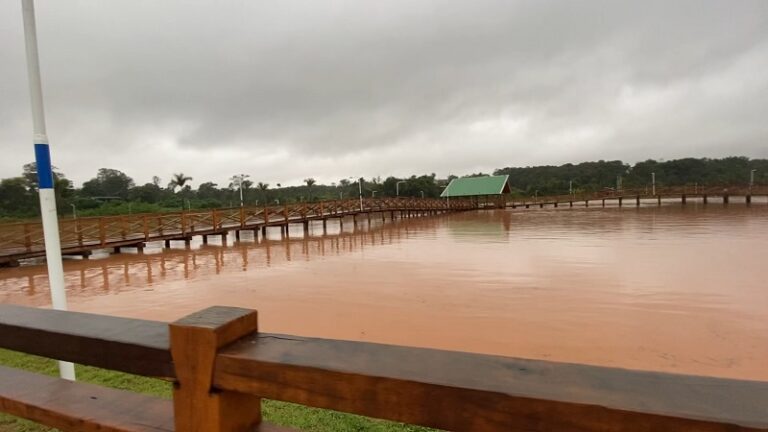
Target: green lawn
{"type": "Point", "coordinates": [281, 413]}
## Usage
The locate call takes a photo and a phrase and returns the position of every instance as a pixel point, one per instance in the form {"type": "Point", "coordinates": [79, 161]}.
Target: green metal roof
{"type": "Point", "coordinates": [473, 186]}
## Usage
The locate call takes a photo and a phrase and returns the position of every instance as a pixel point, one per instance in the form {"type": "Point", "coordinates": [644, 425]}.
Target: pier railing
{"type": "Point", "coordinates": [222, 366]}
{"type": "Point", "coordinates": [105, 231]}
{"type": "Point", "coordinates": [645, 192]}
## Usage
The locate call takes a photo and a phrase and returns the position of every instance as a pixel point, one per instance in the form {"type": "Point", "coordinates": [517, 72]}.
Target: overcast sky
{"type": "Point", "coordinates": [284, 90]}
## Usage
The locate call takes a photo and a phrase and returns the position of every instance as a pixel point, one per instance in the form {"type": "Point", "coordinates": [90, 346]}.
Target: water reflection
{"type": "Point", "coordinates": [105, 273]}
{"type": "Point", "coordinates": [672, 288]}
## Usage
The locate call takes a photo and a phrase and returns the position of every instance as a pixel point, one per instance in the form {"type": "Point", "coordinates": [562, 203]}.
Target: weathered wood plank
{"type": "Point", "coordinates": [129, 345]}
{"type": "Point", "coordinates": [462, 391]}
{"type": "Point", "coordinates": [84, 407]}
{"type": "Point", "coordinates": [71, 406]}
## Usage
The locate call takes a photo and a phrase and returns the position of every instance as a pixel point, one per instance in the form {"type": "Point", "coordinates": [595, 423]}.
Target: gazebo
{"type": "Point", "coordinates": [487, 191]}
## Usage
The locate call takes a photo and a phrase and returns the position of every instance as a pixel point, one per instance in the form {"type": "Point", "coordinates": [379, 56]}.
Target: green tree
{"type": "Point", "coordinates": [263, 188]}
{"type": "Point", "coordinates": [108, 183]}
{"type": "Point", "coordinates": [310, 182]}
{"type": "Point", "coordinates": [179, 181]}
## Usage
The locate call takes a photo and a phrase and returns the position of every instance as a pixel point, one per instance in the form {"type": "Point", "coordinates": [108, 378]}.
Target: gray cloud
{"type": "Point", "coordinates": [286, 90]}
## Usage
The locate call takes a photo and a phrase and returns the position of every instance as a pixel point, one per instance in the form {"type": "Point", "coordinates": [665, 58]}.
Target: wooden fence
{"type": "Point", "coordinates": [26, 239]}
{"type": "Point", "coordinates": [222, 366]}
{"type": "Point", "coordinates": [646, 192]}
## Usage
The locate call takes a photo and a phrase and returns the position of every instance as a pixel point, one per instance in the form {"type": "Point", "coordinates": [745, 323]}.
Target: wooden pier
{"type": "Point", "coordinates": [645, 196]}
{"type": "Point", "coordinates": [222, 367]}
{"type": "Point", "coordinates": [83, 235]}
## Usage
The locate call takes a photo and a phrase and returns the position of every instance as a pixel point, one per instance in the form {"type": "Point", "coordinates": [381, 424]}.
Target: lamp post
{"type": "Point", "coordinates": [238, 179]}
{"type": "Point", "coordinates": [752, 179]}
{"type": "Point", "coordinates": [360, 188]}
{"type": "Point", "coordinates": [570, 187]}
{"type": "Point", "coordinates": [653, 183]}
{"type": "Point", "coordinates": [45, 174]}
{"type": "Point", "coordinates": [397, 187]}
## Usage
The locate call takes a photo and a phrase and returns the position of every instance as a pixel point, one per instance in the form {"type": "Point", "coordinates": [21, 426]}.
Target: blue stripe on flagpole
{"type": "Point", "coordinates": [44, 170]}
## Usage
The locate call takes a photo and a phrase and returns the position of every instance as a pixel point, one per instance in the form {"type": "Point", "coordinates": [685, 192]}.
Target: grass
{"type": "Point", "coordinates": [281, 413]}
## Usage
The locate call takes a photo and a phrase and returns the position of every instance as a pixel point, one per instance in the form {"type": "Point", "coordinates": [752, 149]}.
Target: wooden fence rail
{"type": "Point", "coordinates": [647, 192]}
{"type": "Point", "coordinates": [221, 366]}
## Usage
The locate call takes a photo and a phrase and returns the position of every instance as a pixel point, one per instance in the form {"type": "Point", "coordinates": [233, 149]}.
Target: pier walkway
{"type": "Point", "coordinates": [82, 235]}
{"type": "Point", "coordinates": [637, 197]}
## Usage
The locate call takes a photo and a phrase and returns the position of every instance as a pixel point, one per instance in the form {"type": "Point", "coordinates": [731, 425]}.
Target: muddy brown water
{"type": "Point", "coordinates": [677, 289]}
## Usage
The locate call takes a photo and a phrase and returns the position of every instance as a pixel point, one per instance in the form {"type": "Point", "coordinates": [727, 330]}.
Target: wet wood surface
{"type": "Point", "coordinates": [462, 391]}
{"type": "Point", "coordinates": [71, 406]}
{"type": "Point", "coordinates": [140, 347]}
{"type": "Point", "coordinates": [444, 389]}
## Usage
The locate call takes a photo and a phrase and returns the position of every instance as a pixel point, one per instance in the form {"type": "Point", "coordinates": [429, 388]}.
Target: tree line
{"type": "Point", "coordinates": [113, 192]}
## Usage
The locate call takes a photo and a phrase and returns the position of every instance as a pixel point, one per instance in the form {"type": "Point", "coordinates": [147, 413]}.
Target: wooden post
{"type": "Point", "coordinates": [705, 198]}
{"type": "Point", "coordinates": [102, 232]}
{"type": "Point", "coordinates": [214, 219]}
{"type": "Point", "coordinates": [167, 243]}
{"type": "Point", "coordinates": [79, 230]}
{"type": "Point", "coordinates": [122, 227]}
{"type": "Point", "coordinates": [586, 203]}
{"type": "Point", "coordinates": [603, 202]}
{"type": "Point", "coordinates": [637, 200]}
{"type": "Point", "coordinates": [748, 199]}
{"type": "Point", "coordinates": [725, 199]}
{"type": "Point", "coordinates": [658, 199]}
{"type": "Point", "coordinates": [237, 235]}
{"type": "Point", "coordinates": [570, 203]}
{"type": "Point", "coordinates": [145, 225]}
{"type": "Point", "coordinates": [620, 201]}
{"type": "Point", "coordinates": [205, 239]}
{"type": "Point", "coordinates": [195, 340]}
{"type": "Point", "coordinates": [27, 238]}
{"type": "Point", "coordinates": [683, 199]}
{"type": "Point", "coordinates": [184, 222]}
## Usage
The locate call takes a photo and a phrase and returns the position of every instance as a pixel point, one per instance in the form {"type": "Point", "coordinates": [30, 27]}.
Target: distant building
{"type": "Point", "coordinates": [488, 191]}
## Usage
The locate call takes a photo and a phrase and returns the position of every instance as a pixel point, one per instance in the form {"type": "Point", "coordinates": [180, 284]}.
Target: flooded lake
{"type": "Point", "coordinates": [673, 288]}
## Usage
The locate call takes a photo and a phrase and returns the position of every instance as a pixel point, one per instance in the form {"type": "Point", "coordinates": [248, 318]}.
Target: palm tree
{"type": "Point", "coordinates": [309, 181]}
{"type": "Point", "coordinates": [179, 180]}
{"type": "Point", "coordinates": [263, 188]}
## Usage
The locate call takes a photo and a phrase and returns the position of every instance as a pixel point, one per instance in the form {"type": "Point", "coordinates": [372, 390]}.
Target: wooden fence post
{"type": "Point", "coordinates": [102, 232]}
{"type": "Point", "coordinates": [27, 238]}
{"type": "Point", "coordinates": [195, 340]}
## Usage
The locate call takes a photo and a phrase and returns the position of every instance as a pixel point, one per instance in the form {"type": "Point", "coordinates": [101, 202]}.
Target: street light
{"type": "Point", "coordinates": [238, 179]}
{"type": "Point", "coordinates": [45, 174]}
{"type": "Point", "coordinates": [570, 187]}
{"type": "Point", "coordinates": [752, 178]}
{"type": "Point", "coordinates": [360, 190]}
{"type": "Point", "coordinates": [360, 187]}
{"type": "Point", "coordinates": [653, 183]}
{"type": "Point", "coordinates": [397, 187]}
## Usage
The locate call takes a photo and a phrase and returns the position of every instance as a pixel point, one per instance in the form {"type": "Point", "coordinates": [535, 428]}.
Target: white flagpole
{"type": "Point", "coordinates": [45, 175]}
